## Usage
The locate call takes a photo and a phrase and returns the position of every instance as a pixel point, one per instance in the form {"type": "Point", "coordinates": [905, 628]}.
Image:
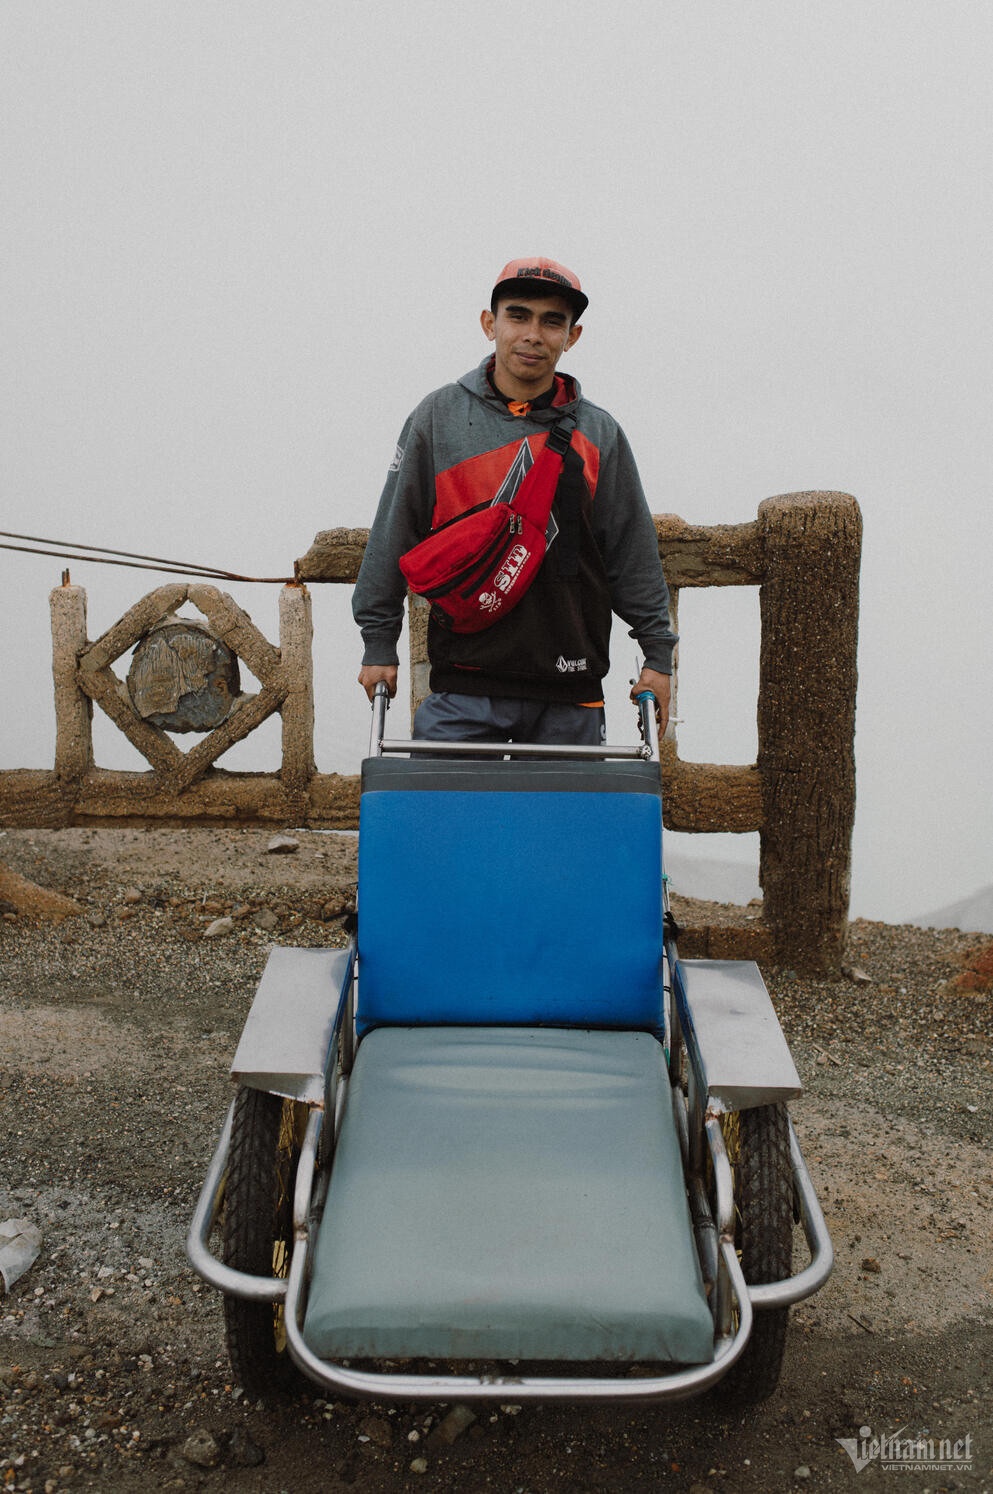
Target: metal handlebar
{"type": "Point", "coordinates": [648, 752]}
{"type": "Point", "coordinates": [380, 705]}
{"type": "Point", "coordinates": [647, 707]}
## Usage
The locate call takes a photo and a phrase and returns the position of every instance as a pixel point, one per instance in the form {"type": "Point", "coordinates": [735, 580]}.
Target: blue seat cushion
{"type": "Point", "coordinates": [508, 1194]}
{"type": "Point", "coordinates": [519, 907]}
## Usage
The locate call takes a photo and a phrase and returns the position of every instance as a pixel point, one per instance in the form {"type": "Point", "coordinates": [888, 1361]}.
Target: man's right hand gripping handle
{"type": "Point", "coordinates": [371, 674]}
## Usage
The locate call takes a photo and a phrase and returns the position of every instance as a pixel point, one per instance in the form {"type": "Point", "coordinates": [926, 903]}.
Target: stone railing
{"type": "Point", "coordinates": [180, 788]}
{"type": "Point", "coordinates": [803, 553]}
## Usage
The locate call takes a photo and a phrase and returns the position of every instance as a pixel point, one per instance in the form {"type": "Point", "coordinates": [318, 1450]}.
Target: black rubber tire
{"type": "Point", "coordinates": [759, 1150]}
{"type": "Point", "coordinates": [257, 1237]}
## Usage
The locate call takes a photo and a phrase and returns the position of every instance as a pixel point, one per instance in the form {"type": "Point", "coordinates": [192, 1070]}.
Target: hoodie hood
{"type": "Point", "coordinates": [566, 396]}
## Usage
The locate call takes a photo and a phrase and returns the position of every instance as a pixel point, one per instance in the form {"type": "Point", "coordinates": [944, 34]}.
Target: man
{"type": "Point", "coordinates": [536, 675]}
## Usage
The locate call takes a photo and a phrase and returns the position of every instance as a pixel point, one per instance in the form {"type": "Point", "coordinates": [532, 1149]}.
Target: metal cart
{"type": "Point", "coordinates": [508, 1145]}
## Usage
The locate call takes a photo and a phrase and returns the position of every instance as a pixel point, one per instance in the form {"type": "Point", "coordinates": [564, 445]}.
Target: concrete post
{"type": "Point", "coordinates": [418, 611]}
{"type": "Point", "coordinates": [806, 720]}
{"type": "Point", "coordinates": [296, 636]}
{"type": "Point", "coordinates": [73, 709]}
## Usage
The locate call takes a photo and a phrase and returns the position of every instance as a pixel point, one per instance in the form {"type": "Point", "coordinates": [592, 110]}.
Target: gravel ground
{"type": "Point", "coordinates": [116, 1029]}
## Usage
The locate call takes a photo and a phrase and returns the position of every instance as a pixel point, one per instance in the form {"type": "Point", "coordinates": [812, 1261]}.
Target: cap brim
{"type": "Point", "coordinates": [536, 287]}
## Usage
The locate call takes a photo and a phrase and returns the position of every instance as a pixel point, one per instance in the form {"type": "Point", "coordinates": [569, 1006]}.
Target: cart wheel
{"type": "Point", "coordinates": [758, 1146]}
{"type": "Point", "coordinates": [257, 1229]}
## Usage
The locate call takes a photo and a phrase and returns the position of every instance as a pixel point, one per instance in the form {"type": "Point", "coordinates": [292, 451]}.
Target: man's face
{"type": "Point", "coordinates": [531, 335]}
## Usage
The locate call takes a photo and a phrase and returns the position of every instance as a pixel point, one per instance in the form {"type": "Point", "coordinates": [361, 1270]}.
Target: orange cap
{"type": "Point", "coordinates": [545, 275]}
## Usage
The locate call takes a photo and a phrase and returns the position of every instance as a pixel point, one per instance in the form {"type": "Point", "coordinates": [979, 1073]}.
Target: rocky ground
{"type": "Point", "coordinates": [116, 1029]}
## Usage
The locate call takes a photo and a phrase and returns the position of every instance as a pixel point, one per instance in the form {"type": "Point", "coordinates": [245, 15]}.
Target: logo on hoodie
{"type": "Point", "coordinates": [517, 471]}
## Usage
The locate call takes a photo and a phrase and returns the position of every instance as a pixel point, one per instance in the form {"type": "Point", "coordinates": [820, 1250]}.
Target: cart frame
{"type": "Point", "coordinates": [725, 1053]}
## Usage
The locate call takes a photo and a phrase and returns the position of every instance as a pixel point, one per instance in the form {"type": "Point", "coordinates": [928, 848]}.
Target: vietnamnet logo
{"type": "Point", "coordinates": [920, 1454]}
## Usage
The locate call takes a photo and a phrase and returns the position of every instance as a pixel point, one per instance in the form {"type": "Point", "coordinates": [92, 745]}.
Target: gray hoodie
{"type": "Point", "coordinates": [462, 446]}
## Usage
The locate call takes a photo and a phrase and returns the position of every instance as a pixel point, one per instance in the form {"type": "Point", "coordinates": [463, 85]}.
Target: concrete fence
{"type": "Point", "coordinates": [802, 552]}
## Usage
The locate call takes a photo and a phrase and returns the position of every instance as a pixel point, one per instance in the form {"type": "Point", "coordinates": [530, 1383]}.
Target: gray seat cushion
{"type": "Point", "coordinates": [508, 1193]}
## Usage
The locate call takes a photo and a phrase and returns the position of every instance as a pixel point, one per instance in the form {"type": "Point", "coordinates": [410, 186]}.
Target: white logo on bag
{"type": "Point", "coordinates": [569, 666]}
{"type": "Point", "coordinates": [489, 601]}
{"type": "Point", "coordinates": [511, 568]}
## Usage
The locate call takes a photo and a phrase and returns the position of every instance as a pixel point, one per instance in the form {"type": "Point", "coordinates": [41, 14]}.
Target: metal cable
{"type": "Point", "coordinates": [100, 555]}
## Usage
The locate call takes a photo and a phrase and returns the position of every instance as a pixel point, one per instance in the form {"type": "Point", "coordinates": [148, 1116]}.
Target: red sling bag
{"type": "Point", "coordinates": [477, 567]}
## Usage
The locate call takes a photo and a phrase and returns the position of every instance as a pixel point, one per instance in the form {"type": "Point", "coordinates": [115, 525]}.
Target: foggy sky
{"type": "Point", "coordinates": [239, 241]}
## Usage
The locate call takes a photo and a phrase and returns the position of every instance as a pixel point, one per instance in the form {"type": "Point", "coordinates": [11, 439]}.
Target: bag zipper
{"type": "Point", "coordinates": [480, 562]}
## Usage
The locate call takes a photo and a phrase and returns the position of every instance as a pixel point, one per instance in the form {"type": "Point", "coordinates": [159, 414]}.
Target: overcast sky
{"type": "Point", "coordinates": [240, 240]}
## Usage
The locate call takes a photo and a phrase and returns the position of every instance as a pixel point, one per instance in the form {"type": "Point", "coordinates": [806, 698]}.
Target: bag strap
{"type": "Point", "coordinates": [561, 434]}
{"type": "Point", "coordinates": [536, 493]}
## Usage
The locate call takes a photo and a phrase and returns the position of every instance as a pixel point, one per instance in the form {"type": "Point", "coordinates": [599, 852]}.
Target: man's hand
{"type": "Point", "coordinates": [659, 685]}
{"type": "Point", "coordinates": [371, 674]}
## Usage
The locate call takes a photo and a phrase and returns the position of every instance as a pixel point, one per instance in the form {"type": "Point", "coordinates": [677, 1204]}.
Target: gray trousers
{"type": "Point", "coordinates": [447, 717]}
